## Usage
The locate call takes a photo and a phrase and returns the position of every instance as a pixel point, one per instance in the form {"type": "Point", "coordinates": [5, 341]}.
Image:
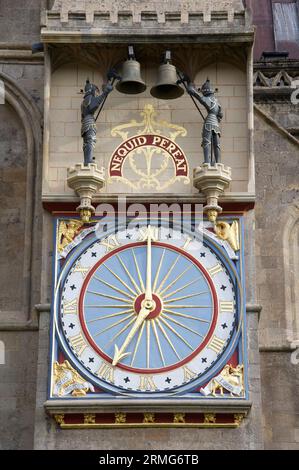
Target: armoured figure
{"type": "Point", "coordinates": [211, 130]}
{"type": "Point", "coordinates": [91, 103]}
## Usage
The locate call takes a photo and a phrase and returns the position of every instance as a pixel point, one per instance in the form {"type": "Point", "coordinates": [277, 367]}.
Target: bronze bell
{"type": "Point", "coordinates": [167, 87]}
{"type": "Point", "coordinates": [131, 82]}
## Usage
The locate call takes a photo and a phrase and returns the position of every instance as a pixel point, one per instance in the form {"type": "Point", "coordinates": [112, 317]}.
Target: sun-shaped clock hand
{"type": "Point", "coordinates": [148, 285]}
{"type": "Point", "coordinates": [143, 314]}
{"type": "Point", "coordinates": [147, 305]}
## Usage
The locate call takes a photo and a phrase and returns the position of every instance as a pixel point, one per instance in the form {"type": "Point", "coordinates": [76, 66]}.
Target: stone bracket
{"type": "Point", "coordinates": [212, 180]}
{"type": "Point", "coordinates": [86, 181]}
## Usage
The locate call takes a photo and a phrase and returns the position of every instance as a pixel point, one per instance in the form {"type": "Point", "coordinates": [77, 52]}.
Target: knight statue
{"type": "Point", "coordinates": [211, 130]}
{"type": "Point", "coordinates": [91, 103]}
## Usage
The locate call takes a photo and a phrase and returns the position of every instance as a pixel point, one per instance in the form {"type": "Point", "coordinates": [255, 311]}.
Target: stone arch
{"type": "Point", "coordinates": [31, 119]}
{"type": "Point", "coordinates": [291, 272]}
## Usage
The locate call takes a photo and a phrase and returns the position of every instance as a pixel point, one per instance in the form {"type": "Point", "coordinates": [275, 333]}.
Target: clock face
{"type": "Point", "coordinates": [148, 311]}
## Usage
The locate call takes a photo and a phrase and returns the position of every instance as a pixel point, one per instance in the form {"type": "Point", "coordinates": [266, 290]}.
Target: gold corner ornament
{"type": "Point", "coordinates": [67, 231]}
{"type": "Point", "coordinates": [146, 155]}
{"type": "Point", "coordinates": [67, 381]}
{"type": "Point", "coordinates": [238, 418]}
{"type": "Point", "coordinates": [228, 233]}
{"type": "Point", "coordinates": [59, 418]}
{"type": "Point", "coordinates": [230, 379]}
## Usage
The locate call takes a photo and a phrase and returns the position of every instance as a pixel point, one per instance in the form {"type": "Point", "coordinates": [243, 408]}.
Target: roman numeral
{"type": "Point", "coordinates": [187, 243]}
{"type": "Point", "coordinates": [215, 270]}
{"type": "Point", "coordinates": [188, 374]}
{"type": "Point", "coordinates": [216, 344]}
{"type": "Point", "coordinates": [153, 232]}
{"type": "Point", "coordinates": [106, 372]}
{"type": "Point", "coordinates": [78, 343]}
{"type": "Point", "coordinates": [111, 243]}
{"type": "Point", "coordinates": [226, 306]}
{"type": "Point", "coordinates": [147, 383]}
{"type": "Point", "coordinates": [81, 270]}
{"type": "Point", "coordinates": [70, 307]}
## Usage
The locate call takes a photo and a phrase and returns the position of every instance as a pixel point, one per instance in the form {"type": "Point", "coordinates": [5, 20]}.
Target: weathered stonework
{"type": "Point", "coordinates": [270, 255]}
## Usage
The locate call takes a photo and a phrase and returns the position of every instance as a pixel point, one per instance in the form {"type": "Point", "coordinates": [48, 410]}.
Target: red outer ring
{"type": "Point", "coordinates": [163, 369]}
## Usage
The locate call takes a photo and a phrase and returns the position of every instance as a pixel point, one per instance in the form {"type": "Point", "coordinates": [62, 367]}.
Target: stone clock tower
{"type": "Point", "coordinates": [149, 202]}
{"type": "Point", "coordinates": [152, 323]}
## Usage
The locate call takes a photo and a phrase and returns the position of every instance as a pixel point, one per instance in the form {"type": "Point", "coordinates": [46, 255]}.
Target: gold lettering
{"type": "Point", "coordinates": [215, 270]}
{"type": "Point", "coordinates": [216, 344]}
{"type": "Point", "coordinates": [147, 383]}
{"type": "Point", "coordinates": [78, 343]}
{"type": "Point", "coordinates": [106, 371]}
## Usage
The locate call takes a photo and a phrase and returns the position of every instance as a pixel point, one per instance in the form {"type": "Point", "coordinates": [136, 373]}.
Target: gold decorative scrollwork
{"type": "Point", "coordinates": [149, 418]}
{"type": "Point", "coordinates": [229, 233]}
{"type": "Point", "coordinates": [67, 231]}
{"type": "Point", "coordinates": [209, 418]}
{"type": "Point", "coordinates": [179, 418]}
{"type": "Point", "coordinates": [146, 166]}
{"type": "Point", "coordinates": [59, 419]}
{"type": "Point", "coordinates": [67, 381]}
{"type": "Point", "coordinates": [149, 125]}
{"type": "Point", "coordinates": [120, 418]}
{"type": "Point", "coordinates": [238, 417]}
{"type": "Point", "coordinates": [89, 419]}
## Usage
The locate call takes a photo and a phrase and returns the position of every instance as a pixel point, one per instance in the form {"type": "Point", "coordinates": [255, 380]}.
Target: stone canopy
{"type": "Point", "coordinates": [80, 20]}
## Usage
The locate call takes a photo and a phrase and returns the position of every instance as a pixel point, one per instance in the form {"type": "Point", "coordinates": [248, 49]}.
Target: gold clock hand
{"type": "Point", "coordinates": [120, 353]}
{"type": "Point", "coordinates": [148, 287]}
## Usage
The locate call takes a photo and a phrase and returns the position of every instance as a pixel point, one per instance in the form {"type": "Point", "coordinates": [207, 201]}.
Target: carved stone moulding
{"type": "Point", "coordinates": [148, 420]}
{"type": "Point", "coordinates": [212, 181]}
{"type": "Point", "coordinates": [87, 21]}
{"type": "Point", "coordinates": [137, 8]}
{"type": "Point", "coordinates": [86, 181]}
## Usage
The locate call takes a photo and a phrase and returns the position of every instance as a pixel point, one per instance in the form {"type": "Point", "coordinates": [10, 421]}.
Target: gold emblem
{"type": "Point", "coordinates": [233, 377]}
{"type": "Point", "coordinates": [238, 417]}
{"type": "Point", "coordinates": [179, 418]}
{"type": "Point", "coordinates": [59, 419]}
{"type": "Point", "coordinates": [148, 418]}
{"type": "Point", "coordinates": [67, 231]}
{"type": "Point", "coordinates": [120, 418]}
{"type": "Point", "coordinates": [229, 233]}
{"type": "Point", "coordinates": [67, 381]}
{"type": "Point", "coordinates": [145, 158]}
{"type": "Point", "coordinates": [210, 418]}
{"type": "Point", "coordinates": [89, 419]}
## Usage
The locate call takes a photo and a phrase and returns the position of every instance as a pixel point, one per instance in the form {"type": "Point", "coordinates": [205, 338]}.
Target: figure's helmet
{"type": "Point", "coordinates": [90, 88]}
{"type": "Point", "coordinates": [206, 88]}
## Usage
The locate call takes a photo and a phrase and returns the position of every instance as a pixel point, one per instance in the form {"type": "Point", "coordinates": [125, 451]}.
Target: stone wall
{"type": "Point", "coordinates": [20, 162]}
{"type": "Point", "coordinates": [277, 158]}
{"type": "Point", "coordinates": [20, 21]}
{"type": "Point", "coordinates": [17, 390]}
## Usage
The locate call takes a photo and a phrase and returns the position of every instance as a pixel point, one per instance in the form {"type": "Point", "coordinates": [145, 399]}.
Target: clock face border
{"type": "Point", "coordinates": [237, 341]}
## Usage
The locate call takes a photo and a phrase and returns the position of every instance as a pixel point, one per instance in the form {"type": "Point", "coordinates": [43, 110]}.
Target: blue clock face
{"type": "Point", "coordinates": [146, 313]}
{"type": "Point", "coordinates": [177, 327]}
